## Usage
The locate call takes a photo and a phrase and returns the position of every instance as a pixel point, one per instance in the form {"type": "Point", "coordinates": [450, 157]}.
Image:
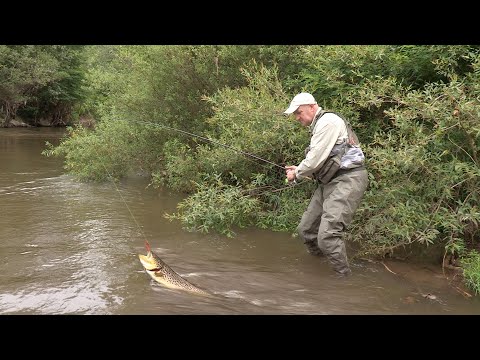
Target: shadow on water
{"type": "Point", "coordinates": [72, 248]}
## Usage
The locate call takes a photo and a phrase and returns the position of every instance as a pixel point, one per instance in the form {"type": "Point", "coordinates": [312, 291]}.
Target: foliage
{"type": "Point", "coordinates": [424, 166]}
{"type": "Point", "coordinates": [40, 82]}
{"type": "Point", "coordinates": [108, 152]}
{"type": "Point", "coordinates": [216, 207]}
{"type": "Point", "coordinates": [471, 270]}
{"type": "Point", "coordinates": [283, 207]}
{"type": "Point", "coordinates": [180, 162]}
{"type": "Point", "coordinates": [23, 70]}
{"type": "Point", "coordinates": [56, 101]}
{"type": "Point", "coordinates": [165, 84]}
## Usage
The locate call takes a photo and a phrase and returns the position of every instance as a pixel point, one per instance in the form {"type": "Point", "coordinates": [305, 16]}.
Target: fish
{"type": "Point", "coordinates": [165, 275]}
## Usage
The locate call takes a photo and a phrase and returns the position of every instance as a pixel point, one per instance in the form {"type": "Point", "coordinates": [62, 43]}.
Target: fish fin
{"type": "Point", "coordinates": [158, 274]}
{"type": "Point", "coordinates": [147, 245]}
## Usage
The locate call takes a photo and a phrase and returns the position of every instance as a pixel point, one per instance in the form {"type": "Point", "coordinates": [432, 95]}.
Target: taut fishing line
{"type": "Point", "coordinates": [121, 196]}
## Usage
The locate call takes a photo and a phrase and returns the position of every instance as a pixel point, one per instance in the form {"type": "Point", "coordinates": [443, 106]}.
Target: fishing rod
{"type": "Point", "coordinates": [212, 141]}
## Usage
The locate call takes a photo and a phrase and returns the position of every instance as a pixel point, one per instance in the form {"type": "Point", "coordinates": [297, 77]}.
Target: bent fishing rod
{"type": "Point", "coordinates": [212, 141]}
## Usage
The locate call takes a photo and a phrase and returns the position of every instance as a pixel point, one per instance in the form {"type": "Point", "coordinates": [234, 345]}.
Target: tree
{"type": "Point", "coordinates": [39, 80]}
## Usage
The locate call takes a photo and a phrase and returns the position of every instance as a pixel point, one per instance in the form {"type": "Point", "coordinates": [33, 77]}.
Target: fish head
{"type": "Point", "coordinates": [151, 262]}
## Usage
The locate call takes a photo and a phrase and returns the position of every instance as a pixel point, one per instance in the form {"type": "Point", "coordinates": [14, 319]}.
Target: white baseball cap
{"type": "Point", "coordinates": [300, 99]}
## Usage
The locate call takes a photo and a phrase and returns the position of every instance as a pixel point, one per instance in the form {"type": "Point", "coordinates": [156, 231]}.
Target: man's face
{"type": "Point", "coordinates": [304, 114]}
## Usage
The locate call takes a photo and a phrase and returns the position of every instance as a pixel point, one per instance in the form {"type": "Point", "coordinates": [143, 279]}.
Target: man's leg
{"type": "Point", "coordinates": [310, 222]}
{"type": "Point", "coordinates": [342, 197]}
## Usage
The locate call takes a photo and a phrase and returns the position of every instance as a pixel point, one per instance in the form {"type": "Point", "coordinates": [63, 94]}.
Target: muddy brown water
{"type": "Point", "coordinates": [72, 248]}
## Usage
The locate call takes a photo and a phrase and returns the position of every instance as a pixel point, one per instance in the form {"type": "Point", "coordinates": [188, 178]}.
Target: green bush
{"type": "Point", "coordinates": [218, 207]}
{"type": "Point", "coordinates": [471, 270]}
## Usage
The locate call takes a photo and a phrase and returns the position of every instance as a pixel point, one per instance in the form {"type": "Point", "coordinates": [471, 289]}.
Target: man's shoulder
{"type": "Point", "coordinates": [331, 115]}
{"type": "Point", "coordinates": [330, 118]}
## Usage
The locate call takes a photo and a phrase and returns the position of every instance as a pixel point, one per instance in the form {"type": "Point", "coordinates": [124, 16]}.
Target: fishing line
{"type": "Point", "coordinates": [210, 140]}
{"type": "Point", "coordinates": [121, 196]}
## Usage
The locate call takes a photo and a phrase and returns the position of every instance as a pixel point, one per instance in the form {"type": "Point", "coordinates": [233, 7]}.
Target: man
{"type": "Point", "coordinates": [334, 202]}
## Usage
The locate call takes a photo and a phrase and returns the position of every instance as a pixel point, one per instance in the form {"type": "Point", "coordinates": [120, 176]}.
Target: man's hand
{"type": "Point", "coordinates": [290, 173]}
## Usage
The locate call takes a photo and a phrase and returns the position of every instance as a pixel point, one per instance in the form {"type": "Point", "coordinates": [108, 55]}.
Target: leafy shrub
{"type": "Point", "coordinates": [471, 270]}
{"type": "Point", "coordinates": [216, 207]}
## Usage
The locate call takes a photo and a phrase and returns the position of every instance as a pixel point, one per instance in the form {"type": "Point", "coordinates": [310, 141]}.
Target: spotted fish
{"type": "Point", "coordinates": [162, 273]}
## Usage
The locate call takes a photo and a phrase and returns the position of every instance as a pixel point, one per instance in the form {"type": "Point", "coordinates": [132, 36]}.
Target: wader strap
{"type": "Point", "coordinates": [344, 171]}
